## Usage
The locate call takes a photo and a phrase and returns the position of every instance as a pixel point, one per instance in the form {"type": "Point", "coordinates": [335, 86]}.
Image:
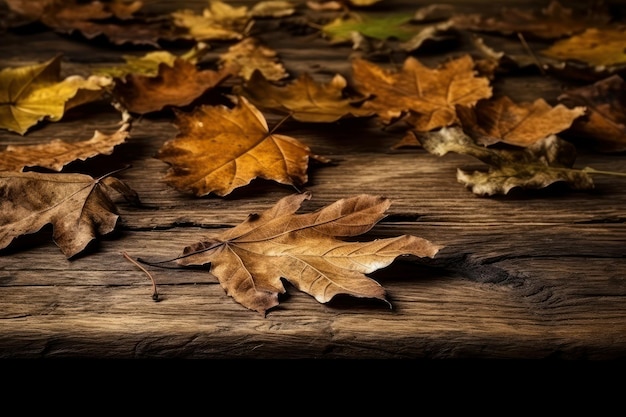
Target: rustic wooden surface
{"type": "Point", "coordinates": [530, 275]}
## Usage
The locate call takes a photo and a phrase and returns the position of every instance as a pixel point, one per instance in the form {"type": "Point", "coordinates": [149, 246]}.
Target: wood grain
{"type": "Point", "coordinates": [528, 275]}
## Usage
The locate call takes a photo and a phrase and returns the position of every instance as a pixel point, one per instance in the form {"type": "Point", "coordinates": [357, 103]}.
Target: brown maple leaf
{"type": "Point", "coordinates": [78, 207]}
{"type": "Point", "coordinates": [430, 95]}
{"type": "Point", "coordinates": [537, 166]}
{"type": "Point", "coordinates": [218, 21]}
{"type": "Point", "coordinates": [219, 149]}
{"type": "Point", "coordinates": [250, 259]}
{"type": "Point", "coordinates": [605, 121]}
{"type": "Point", "coordinates": [115, 20]}
{"type": "Point", "coordinates": [57, 153]}
{"type": "Point", "coordinates": [177, 85]}
{"type": "Point", "coordinates": [521, 124]}
{"type": "Point", "coordinates": [304, 98]}
{"type": "Point", "coordinates": [249, 55]}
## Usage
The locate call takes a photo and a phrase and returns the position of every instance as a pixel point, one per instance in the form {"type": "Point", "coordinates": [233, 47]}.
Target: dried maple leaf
{"type": "Point", "coordinates": [249, 55]}
{"type": "Point", "coordinates": [521, 124]}
{"type": "Point", "coordinates": [219, 149]}
{"type": "Point", "coordinates": [31, 93]}
{"type": "Point", "coordinates": [219, 21]}
{"type": "Point", "coordinates": [58, 153]}
{"type": "Point", "coordinates": [250, 259]}
{"type": "Point", "coordinates": [304, 99]}
{"type": "Point", "coordinates": [177, 85]}
{"type": "Point", "coordinates": [77, 206]}
{"type": "Point", "coordinates": [552, 22]}
{"type": "Point", "coordinates": [596, 47]}
{"type": "Point", "coordinates": [429, 94]}
{"type": "Point", "coordinates": [545, 162]}
{"type": "Point", "coordinates": [115, 20]}
{"type": "Point", "coordinates": [605, 121]}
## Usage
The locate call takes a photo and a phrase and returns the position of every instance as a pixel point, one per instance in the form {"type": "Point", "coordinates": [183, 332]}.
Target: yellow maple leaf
{"type": "Point", "coordinates": [32, 93]}
{"type": "Point", "coordinates": [597, 47]}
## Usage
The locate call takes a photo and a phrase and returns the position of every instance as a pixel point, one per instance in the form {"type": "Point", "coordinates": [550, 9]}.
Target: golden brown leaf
{"type": "Point", "coordinates": [219, 21]}
{"type": "Point", "coordinates": [219, 149]}
{"type": "Point", "coordinates": [521, 124]}
{"type": "Point", "coordinates": [305, 99]}
{"type": "Point", "coordinates": [177, 85]}
{"type": "Point", "coordinates": [33, 93]}
{"type": "Point", "coordinates": [429, 94]}
{"type": "Point", "coordinates": [273, 8]}
{"type": "Point", "coordinates": [248, 55]}
{"type": "Point", "coordinates": [605, 122]}
{"type": "Point", "coordinates": [58, 153]}
{"type": "Point", "coordinates": [250, 259]}
{"type": "Point", "coordinates": [596, 47]}
{"type": "Point", "coordinates": [78, 207]}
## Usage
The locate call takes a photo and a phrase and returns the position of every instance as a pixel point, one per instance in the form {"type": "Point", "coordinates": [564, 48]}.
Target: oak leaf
{"type": "Point", "coordinates": [605, 121]}
{"type": "Point", "coordinates": [57, 153]}
{"type": "Point", "coordinates": [77, 205]}
{"type": "Point", "coordinates": [304, 98]}
{"type": "Point", "coordinates": [32, 93]}
{"type": "Point", "coordinates": [595, 47]}
{"type": "Point", "coordinates": [521, 124]}
{"type": "Point", "coordinates": [537, 166]}
{"type": "Point", "coordinates": [249, 55]}
{"type": "Point", "coordinates": [176, 86]}
{"type": "Point", "coordinates": [430, 95]}
{"type": "Point", "coordinates": [250, 259]}
{"type": "Point", "coordinates": [219, 149]}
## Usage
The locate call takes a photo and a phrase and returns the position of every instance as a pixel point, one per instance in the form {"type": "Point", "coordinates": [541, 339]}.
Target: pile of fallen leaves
{"type": "Point", "coordinates": [221, 147]}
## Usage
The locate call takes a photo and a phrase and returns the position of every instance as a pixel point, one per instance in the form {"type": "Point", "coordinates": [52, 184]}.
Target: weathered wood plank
{"type": "Point", "coordinates": [529, 275]}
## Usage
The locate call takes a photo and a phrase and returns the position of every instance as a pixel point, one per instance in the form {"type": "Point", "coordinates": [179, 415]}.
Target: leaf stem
{"type": "Point", "coordinates": [590, 170]}
{"type": "Point", "coordinates": [155, 294]}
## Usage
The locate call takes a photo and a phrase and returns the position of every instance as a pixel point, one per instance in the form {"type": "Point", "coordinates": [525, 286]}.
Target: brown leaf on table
{"type": "Point", "coordinates": [57, 153]}
{"type": "Point", "coordinates": [605, 122]}
{"type": "Point", "coordinates": [251, 259]}
{"type": "Point", "coordinates": [537, 166]}
{"type": "Point", "coordinates": [430, 95]}
{"type": "Point", "coordinates": [177, 85]}
{"type": "Point", "coordinates": [249, 55]}
{"type": "Point", "coordinates": [522, 124]}
{"type": "Point", "coordinates": [78, 207]}
{"type": "Point", "coordinates": [220, 149]}
{"type": "Point", "coordinates": [115, 20]}
{"type": "Point", "coordinates": [304, 98]}
{"type": "Point", "coordinates": [595, 47]}
{"type": "Point", "coordinates": [218, 21]}
{"type": "Point", "coordinates": [32, 93]}
{"type": "Point", "coordinates": [552, 22]}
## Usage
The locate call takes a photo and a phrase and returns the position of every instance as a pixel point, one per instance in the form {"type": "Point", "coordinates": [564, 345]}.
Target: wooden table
{"type": "Point", "coordinates": [524, 276]}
